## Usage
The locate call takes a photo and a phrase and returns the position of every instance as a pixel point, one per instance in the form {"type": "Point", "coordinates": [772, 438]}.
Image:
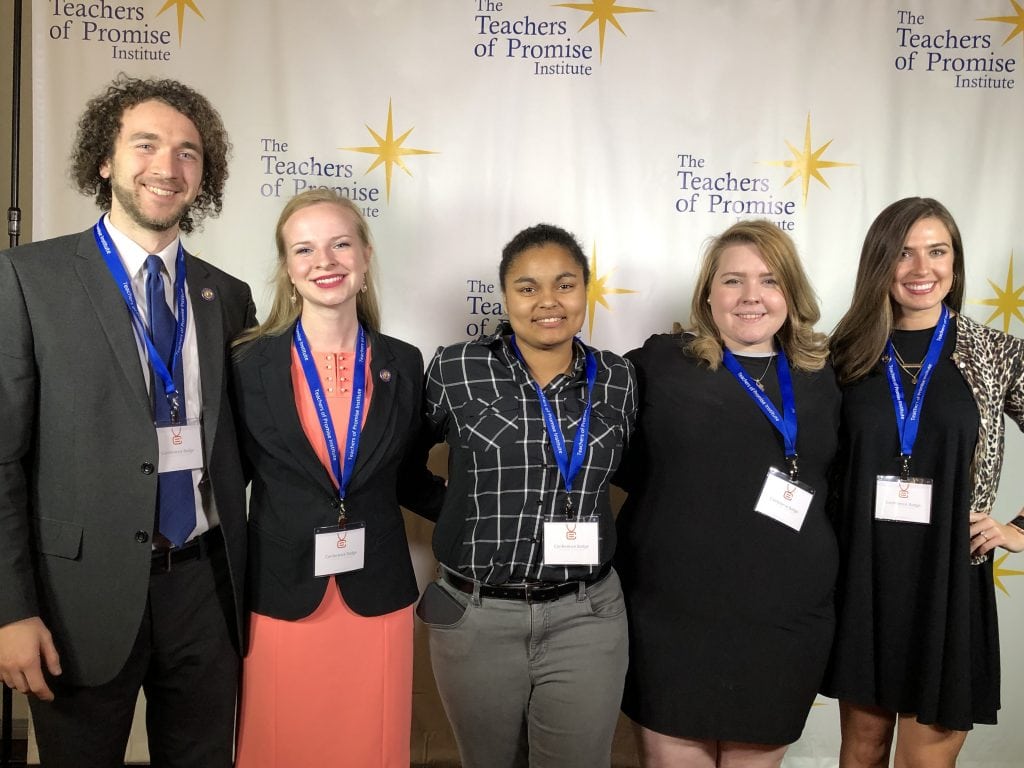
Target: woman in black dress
{"type": "Point", "coordinates": [916, 640]}
{"type": "Point", "coordinates": [726, 555]}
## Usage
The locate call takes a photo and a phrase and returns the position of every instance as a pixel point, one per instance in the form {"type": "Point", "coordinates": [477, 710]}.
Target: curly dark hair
{"type": "Point", "coordinates": [101, 122]}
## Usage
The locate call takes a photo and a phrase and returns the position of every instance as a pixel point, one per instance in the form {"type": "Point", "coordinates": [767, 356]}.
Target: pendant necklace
{"type": "Point", "coordinates": [913, 370]}
{"type": "Point", "coordinates": [767, 368]}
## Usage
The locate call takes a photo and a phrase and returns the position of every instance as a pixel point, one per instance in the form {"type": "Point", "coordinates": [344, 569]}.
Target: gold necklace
{"type": "Point", "coordinates": [908, 366]}
{"type": "Point", "coordinates": [766, 369]}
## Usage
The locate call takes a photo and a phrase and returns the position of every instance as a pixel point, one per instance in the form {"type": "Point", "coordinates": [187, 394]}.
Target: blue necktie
{"type": "Point", "coordinates": [176, 506]}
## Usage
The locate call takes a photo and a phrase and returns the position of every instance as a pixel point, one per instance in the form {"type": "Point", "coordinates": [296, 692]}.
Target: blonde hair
{"type": "Point", "coordinates": [283, 310]}
{"type": "Point", "coordinates": [806, 349]}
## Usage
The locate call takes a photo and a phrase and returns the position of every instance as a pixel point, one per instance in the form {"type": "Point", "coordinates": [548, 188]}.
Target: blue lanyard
{"type": "Point", "coordinates": [784, 422]}
{"type": "Point", "coordinates": [568, 466]}
{"type": "Point", "coordinates": [908, 422]}
{"type": "Point", "coordinates": [355, 416]}
{"type": "Point", "coordinates": [124, 285]}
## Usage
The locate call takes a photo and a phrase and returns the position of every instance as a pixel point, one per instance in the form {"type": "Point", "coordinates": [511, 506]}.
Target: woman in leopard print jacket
{"type": "Point", "coordinates": [921, 448]}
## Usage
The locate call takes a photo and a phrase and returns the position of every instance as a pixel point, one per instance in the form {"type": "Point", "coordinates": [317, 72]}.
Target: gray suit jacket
{"type": "Point", "coordinates": [78, 448]}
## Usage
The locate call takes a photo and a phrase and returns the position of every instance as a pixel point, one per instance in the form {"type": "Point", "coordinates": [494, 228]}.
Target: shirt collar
{"type": "Point", "coordinates": [498, 342]}
{"type": "Point", "coordinates": [133, 256]}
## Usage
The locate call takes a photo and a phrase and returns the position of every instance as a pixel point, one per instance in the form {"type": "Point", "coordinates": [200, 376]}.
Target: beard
{"type": "Point", "coordinates": [129, 201]}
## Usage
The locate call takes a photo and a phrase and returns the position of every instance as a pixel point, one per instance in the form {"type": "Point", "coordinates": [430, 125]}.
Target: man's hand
{"type": "Point", "coordinates": [24, 645]}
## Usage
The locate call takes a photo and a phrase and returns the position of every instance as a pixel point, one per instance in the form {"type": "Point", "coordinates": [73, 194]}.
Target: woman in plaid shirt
{"type": "Point", "coordinates": [527, 622]}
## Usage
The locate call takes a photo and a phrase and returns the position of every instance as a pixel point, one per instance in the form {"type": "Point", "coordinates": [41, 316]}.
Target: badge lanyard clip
{"type": "Point", "coordinates": [784, 421]}
{"type": "Point", "coordinates": [124, 285]}
{"type": "Point", "coordinates": [908, 420]}
{"type": "Point", "coordinates": [342, 472]}
{"type": "Point", "coordinates": [568, 466]}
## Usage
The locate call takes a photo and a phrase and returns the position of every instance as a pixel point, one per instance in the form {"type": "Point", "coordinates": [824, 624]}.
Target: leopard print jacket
{"type": "Point", "coordinates": [992, 364]}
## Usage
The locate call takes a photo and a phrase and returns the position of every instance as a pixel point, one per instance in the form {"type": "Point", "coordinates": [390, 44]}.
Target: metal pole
{"type": "Point", "coordinates": [14, 212]}
{"type": "Point", "coordinates": [14, 233]}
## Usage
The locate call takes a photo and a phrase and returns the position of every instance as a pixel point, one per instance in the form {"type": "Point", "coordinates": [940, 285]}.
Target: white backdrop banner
{"type": "Point", "coordinates": [643, 126]}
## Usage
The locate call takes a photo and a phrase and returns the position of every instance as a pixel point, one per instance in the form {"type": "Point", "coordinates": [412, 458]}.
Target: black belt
{"type": "Point", "coordinates": [196, 549]}
{"type": "Point", "coordinates": [537, 592]}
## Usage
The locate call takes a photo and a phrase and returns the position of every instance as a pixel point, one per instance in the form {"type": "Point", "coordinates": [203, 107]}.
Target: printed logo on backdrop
{"type": "Point", "coordinates": [483, 301]}
{"type": "Point", "coordinates": [288, 170]}
{"type": "Point", "coordinates": [124, 31]}
{"type": "Point", "coordinates": [1007, 301]}
{"type": "Point", "coordinates": [999, 572]}
{"type": "Point", "coordinates": [963, 51]}
{"type": "Point", "coordinates": [548, 44]}
{"type": "Point", "coordinates": [706, 188]}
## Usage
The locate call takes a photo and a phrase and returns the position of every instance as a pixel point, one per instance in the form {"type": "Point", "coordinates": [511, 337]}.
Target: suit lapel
{"type": "Point", "coordinates": [276, 375]}
{"type": "Point", "coordinates": [113, 315]}
{"type": "Point", "coordinates": [210, 341]}
{"type": "Point", "coordinates": [378, 429]}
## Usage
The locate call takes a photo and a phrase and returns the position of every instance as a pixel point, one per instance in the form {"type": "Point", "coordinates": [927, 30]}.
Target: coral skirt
{"type": "Point", "coordinates": [332, 689]}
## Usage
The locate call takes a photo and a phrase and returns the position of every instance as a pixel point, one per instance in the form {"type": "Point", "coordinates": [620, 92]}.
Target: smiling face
{"type": "Point", "coordinates": [325, 257]}
{"type": "Point", "coordinates": [155, 171]}
{"type": "Point", "coordinates": [545, 297]}
{"type": "Point", "coordinates": [923, 276]}
{"type": "Point", "coordinates": [747, 304]}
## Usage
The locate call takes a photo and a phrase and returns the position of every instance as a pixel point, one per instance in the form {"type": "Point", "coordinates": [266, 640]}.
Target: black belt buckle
{"type": "Point", "coordinates": [528, 593]}
{"type": "Point", "coordinates": [542, 593]}
{"type": "Point", "coordinates": [163, 560]}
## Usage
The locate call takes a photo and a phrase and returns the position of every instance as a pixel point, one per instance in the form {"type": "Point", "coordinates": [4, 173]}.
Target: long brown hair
{"type": "Point", "coordinates": [859, 339]}
{"type": "Point", "coordinates": [806, 349]}
{"type": "Point", "coordinates": [284, 311]}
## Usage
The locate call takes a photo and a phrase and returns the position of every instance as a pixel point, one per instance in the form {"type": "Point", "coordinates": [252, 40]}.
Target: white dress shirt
{"type": "Point", "coordinates": [133, 258]}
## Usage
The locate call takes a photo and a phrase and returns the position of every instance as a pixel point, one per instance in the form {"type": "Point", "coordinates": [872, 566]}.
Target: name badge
{"type": "Point", "coordinates": [181, 446]}
{"type": "Point", "coordinates": [783, 499]}
{"type": "Point", "coordinates": [568, 542]}
{"type": "Point", "coordinates": [339, 549]}
{"type": "Point", "coordinates": [903, 501]}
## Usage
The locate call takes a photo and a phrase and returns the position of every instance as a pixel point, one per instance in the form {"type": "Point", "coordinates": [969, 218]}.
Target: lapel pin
{"type": "Point", "coordinates": [385, 375]}
{"type": "Point", "coordinates": [208, 294]}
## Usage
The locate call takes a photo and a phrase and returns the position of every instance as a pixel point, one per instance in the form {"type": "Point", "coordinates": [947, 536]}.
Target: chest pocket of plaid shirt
{"type": "Point", "coordinates": [487, 426]}
{"type": "Point", "coordinates": [607, 427]}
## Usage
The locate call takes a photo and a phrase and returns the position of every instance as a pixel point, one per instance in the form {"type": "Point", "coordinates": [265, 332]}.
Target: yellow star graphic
{"type": "Point", "coordinates": [603, 12]}
{"type": "Point", "coordinates": [1007, 301]}
{"type": "Point", "coordinates": [998, 572]}
{"type": "Point", "coordinates": [1017, 21]}
{"type": "Point", "coordinates": [596, 292]}
{"type": "Point", "coordinates": [182, 4]}
{"type": "Point", "coordinates": [807, 163]}
{"type": "Point", "coordinates": [389, 151]}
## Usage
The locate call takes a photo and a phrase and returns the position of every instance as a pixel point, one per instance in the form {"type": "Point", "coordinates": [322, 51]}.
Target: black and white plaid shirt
{"type": "Point", "coordinates": [503, 482]}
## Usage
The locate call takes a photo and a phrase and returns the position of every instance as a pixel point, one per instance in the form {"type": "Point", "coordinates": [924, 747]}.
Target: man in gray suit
{"type": "Point", "coordinates": [122, 508]}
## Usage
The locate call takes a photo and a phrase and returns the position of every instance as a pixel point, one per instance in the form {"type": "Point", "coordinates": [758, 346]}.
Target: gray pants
{"type": "Point", "coordinates": [535, 685]}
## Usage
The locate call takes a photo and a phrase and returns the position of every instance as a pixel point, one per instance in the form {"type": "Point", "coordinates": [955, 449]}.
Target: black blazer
{"type": "Point", "coordinates": [78, 448]}
{"type": "Point", "coordinates": [292, 492]}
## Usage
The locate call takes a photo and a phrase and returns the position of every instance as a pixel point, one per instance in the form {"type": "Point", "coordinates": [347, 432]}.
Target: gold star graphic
{"type": "Point", "coordinates": [1007, 301]}
{"type": "Point", "coordinates": [998, 572]}
{"type": "Point", "coordinates": [389, 151]}
{"type": "Point", "coordinates": [603, 12]}
{"type": "Point", "coordinates": [806, 164]}
{"type": "Point", "coordinates": [1017, 21]}
{"type": "Point", "coordinates": [596, 292]}
{"type": "Point", "coordinates": [181, 4]}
